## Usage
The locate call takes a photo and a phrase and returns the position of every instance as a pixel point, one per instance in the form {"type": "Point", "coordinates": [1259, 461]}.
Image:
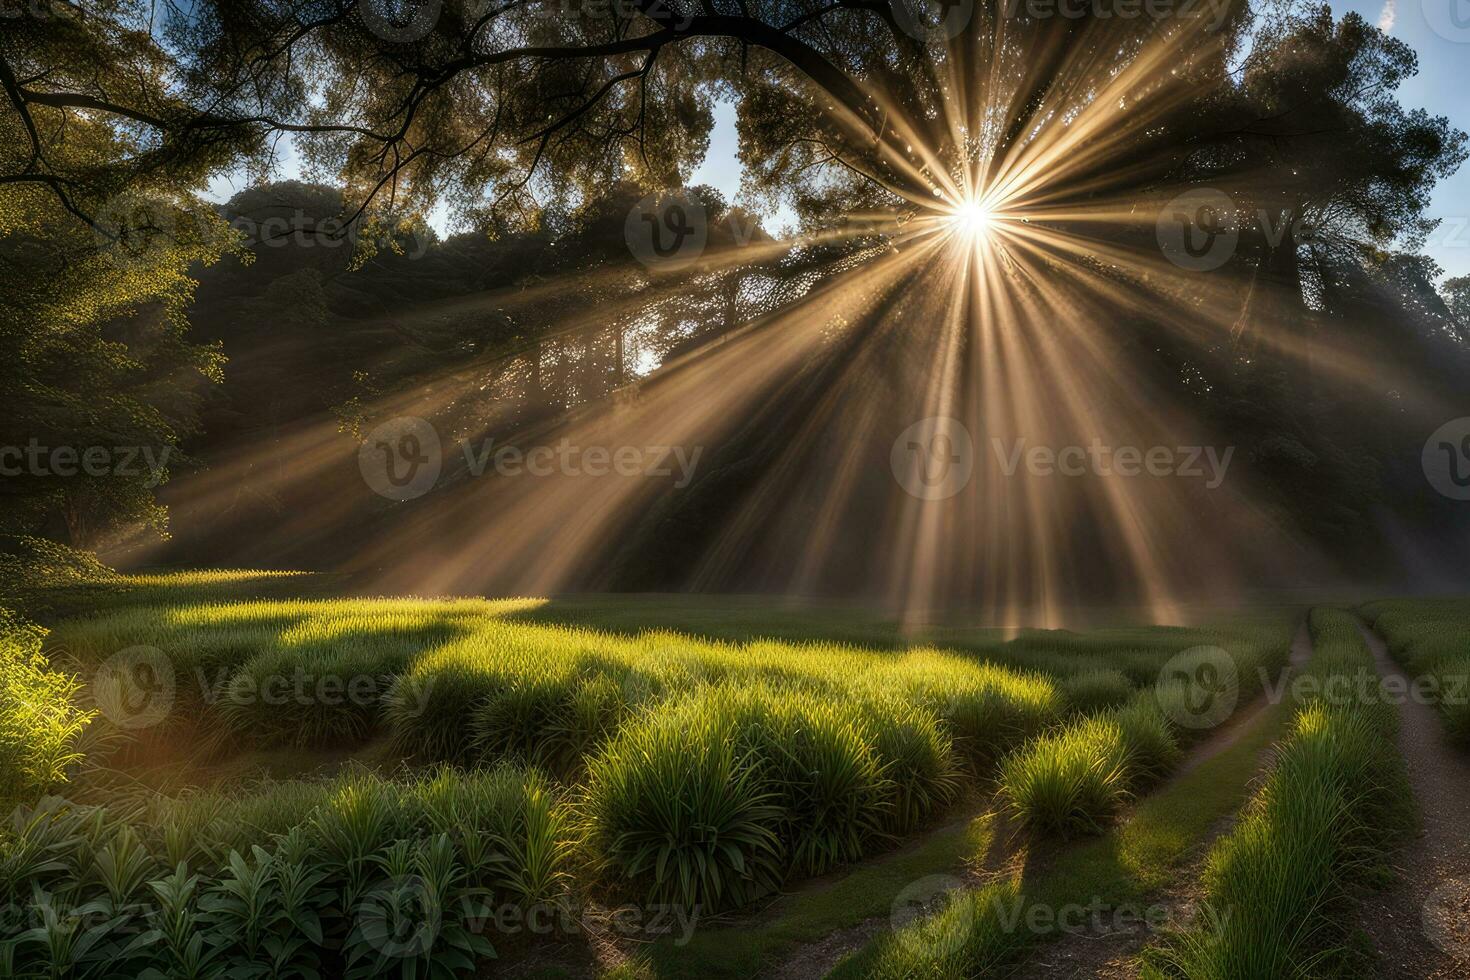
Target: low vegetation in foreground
{"type": "Point", "coordinates": [481, 758]}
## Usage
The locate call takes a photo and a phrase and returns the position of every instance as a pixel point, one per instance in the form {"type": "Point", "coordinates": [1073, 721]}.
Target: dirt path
{"type": "Point", "coordinates": [1421, 928]}
{"type": "Point", "coordinates": [1075, 955]}
{"type": "Point", "coordinates": [1115, 955]}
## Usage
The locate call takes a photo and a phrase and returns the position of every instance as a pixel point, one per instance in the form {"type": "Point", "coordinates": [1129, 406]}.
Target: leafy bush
{"type": "Point", "coordinates": [40, 719]}
{"type": "Point", "coordinates": [291, 880]}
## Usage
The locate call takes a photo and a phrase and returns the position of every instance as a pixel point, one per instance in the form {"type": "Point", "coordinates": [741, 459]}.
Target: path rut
{"type": "Point", "coordinates": [1421, 927]}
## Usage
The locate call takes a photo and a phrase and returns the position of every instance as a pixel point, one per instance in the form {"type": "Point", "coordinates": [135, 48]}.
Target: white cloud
{"type": "Point", "coordinates": [1389, 17]}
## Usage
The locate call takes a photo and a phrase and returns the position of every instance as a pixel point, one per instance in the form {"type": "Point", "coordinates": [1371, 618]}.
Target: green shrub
{"type": "Point", "coordinates": [677, 809]}
{"type": "Point", "coordinates": [816, 760]}
{"type": "Point", "coordinates": [1069, 780]}
{"type": "Point", "coordinates": [287, 880]}
{"type": "Point", "coordinates": [963, 937]}
{"type": "Point", "coordinates": [40, 719]}
{"type": "Point", "coordinates": [917, 757]}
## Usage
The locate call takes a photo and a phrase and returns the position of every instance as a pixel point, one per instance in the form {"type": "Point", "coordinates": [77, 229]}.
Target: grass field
{"type": "Point", "coordinates": [261, 772]}
{"type": "Point", "coordinates": [1431, 639]}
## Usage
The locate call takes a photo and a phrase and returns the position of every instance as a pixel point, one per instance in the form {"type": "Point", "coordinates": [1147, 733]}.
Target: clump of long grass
{"type": "Point", "coordinates": [917, 756]}
{"type": "Point", "coordinates": [1150, 741]}
{"type": "Point", "coordinates": [1069, 780]}
{"type": "Point", "coordinates": [677, 809]}
{"type": "Point", "coordinates": [966, 935]}
{"type": "Point", "coordinates": [817, 760]}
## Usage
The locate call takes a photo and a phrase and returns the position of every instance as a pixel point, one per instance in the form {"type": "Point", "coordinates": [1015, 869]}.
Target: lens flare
{"type": "Point", "coordinates": [972, 220]}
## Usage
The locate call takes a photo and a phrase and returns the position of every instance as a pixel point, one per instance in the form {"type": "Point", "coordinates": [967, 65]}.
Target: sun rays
{"type": "Point", "coordinates": [1001, 296]}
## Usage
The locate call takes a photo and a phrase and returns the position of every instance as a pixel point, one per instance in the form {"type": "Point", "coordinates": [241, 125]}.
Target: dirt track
{"type": "Point", "coordinates": [1421, 927]}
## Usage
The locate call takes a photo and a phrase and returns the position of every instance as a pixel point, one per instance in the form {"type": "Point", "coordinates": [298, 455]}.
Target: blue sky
{"type": "Point", "coordinates": [1443, 88]}
{"type": "Point", "coordinates": [1432, 27]}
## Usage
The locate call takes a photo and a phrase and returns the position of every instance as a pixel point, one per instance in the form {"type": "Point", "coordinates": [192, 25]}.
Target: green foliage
{"type": "Point", "coordinates": [41, 720]}
{"type": "Point", "coordinates": [677, 811]}
{"type": "Point", "coordinates": [1069, 780]}
{"type": "Point", "coordinates": [356, 876]}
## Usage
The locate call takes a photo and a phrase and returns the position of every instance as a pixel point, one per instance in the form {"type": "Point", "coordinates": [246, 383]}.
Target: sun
{"type": "Point", "coordinates": [971, 219]}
